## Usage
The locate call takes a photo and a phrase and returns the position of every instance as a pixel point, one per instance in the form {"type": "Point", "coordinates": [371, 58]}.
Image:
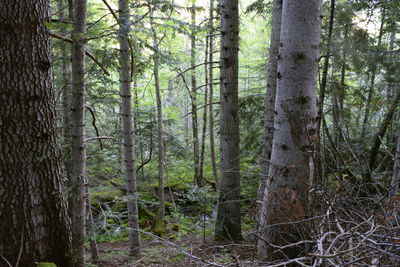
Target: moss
{"type": "Point", "coordinates": [46, 264]}
{"type": "Point", "coordinates": [159, 226]}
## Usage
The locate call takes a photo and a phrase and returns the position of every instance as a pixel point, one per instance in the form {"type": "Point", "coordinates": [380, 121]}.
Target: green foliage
{"type": "Point", "coordinates": [46, 264]}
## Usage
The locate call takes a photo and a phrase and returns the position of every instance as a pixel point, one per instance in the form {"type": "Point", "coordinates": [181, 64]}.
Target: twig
{"type": "Point", "coordinates": [98, 138]}
{"type": "Point", "coordinates": [200, 64]}
{"type": "Point", "coordinates": [8, 263]}
{"type": "Point", "coordinates": [20, 248]}
{"type": "Point", "coordinates": [52, 34]}
{"type": "Point", "coordinates": [95, 127]}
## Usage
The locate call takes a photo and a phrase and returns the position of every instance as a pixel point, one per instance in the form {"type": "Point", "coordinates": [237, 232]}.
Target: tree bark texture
{"type": "Point", "coordinates": [211, 98]}
{"type": "Point", "coordinates": [33, 213]}
{"type": "Point", "coordinates": [78, 133]}
{"type": "Point", "coordinates": [228, 224]}
{"type": "Point", "coordinates": [127, 129]}
{"type": "Point", "coordinates": [295, 137]}
{"type": "Point", "coordinates": [66, 108]}
{"type": "Point", "coordinates": [195, 123]}
{"type": "Point", "coordinates": [269, 105]}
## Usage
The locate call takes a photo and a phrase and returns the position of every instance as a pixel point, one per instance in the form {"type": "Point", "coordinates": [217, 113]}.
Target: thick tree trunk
{"type": "Point", "coordinates": [269, 106]}
{"type": "Point", "coordinates": [295, 137]}
{"type": "Point", "coordinates": [195, 124]}
{"type": "Point", "coordinates": [33, 213]}
{"type": "Point", "coordinates": [228, 224]}
{"type": "Point", "coordinates": [127, 129]}
{"type": "Point", "coordinates": [159, 227]}
{"type": "Point", "coordinates": [211, 98]}
{"type": "Point", "coordinates": [78, 133]}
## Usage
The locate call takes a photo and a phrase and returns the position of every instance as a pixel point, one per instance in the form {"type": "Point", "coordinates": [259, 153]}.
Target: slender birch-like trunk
{"type": "Point", "coordinates": [211, 98]}
{"type": "Point", "coordinates": [269, 105]}
{"type": "Point", "coordinates": [204, 129]}
{"type": "Point", "coordinates": [195, 123]}
{"type": "Point", "coordinates": [159, 227]}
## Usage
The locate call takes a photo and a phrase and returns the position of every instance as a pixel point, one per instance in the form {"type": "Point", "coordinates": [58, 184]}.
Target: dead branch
{"type": "Point", "coordinates": [68, 40]}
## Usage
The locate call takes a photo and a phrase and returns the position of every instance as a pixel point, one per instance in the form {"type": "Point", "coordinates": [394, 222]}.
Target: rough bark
{"type": "Point", "coordinates": [33, 213]}
{"type": "Point", "coordinates": [295, 131]}
{"type": "Point", "coordinates": [127, 129]}
{"type": "Point", "coordinates": [269, 105]}
{"type": "Point", "coordinates": [66, 108]}
{"type": "Point", "coordinates": [78, 152]}
{"type": "Point", "coordinates": [211, 98]}
{"type": "Point", "coordinates": [228, 224]}
{"type": "Point", "coordinates": [159, 227]}
{"type": "Point", "coordinates": [195, 123]}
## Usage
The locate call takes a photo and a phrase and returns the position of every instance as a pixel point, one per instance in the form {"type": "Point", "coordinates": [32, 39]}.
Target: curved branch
{"type": "Point", "coordinates": [54, 35]}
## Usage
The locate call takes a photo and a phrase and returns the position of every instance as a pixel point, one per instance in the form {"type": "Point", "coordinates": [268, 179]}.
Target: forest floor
{"type": "Point", "coordinates": [188, 251]}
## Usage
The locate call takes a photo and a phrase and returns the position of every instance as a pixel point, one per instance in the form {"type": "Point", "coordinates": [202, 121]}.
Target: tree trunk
{"type": "Point", "coordinates": [324, 79]}
{"type": "Point", "coordinates": [78, 133]}
{"type": "Point", "coordinates": [90, 225]}
{"type": "Point", "coordinates": [372, 83]}
{"type": "Point", "coordinates": [379, 136]}
{"type": "Point", "coordinates": [394, 185]}
{"type": "Point", "coordinates": [228, 224]}
{"type": "Point", "coordinates": [295, 137]}
{"type": "Point", "coordinates": [66, 107]}
{"type": "Point", "coordinates": [211, 88]}
{"type": "Point", "coordinates": [204, 129]}
{"type": "Point", "coordinates": [127, 129]}
{"type": "Point", "coordinates": [195, 125]}
{"type": "Point", "coordinates": [322, 89]}
{"type": "Point", "coordinates": [33, 213]}
{"type": "Point", "coordinates": [159, 227]}
{"type": "Point", "coordinates": [269, 105]}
